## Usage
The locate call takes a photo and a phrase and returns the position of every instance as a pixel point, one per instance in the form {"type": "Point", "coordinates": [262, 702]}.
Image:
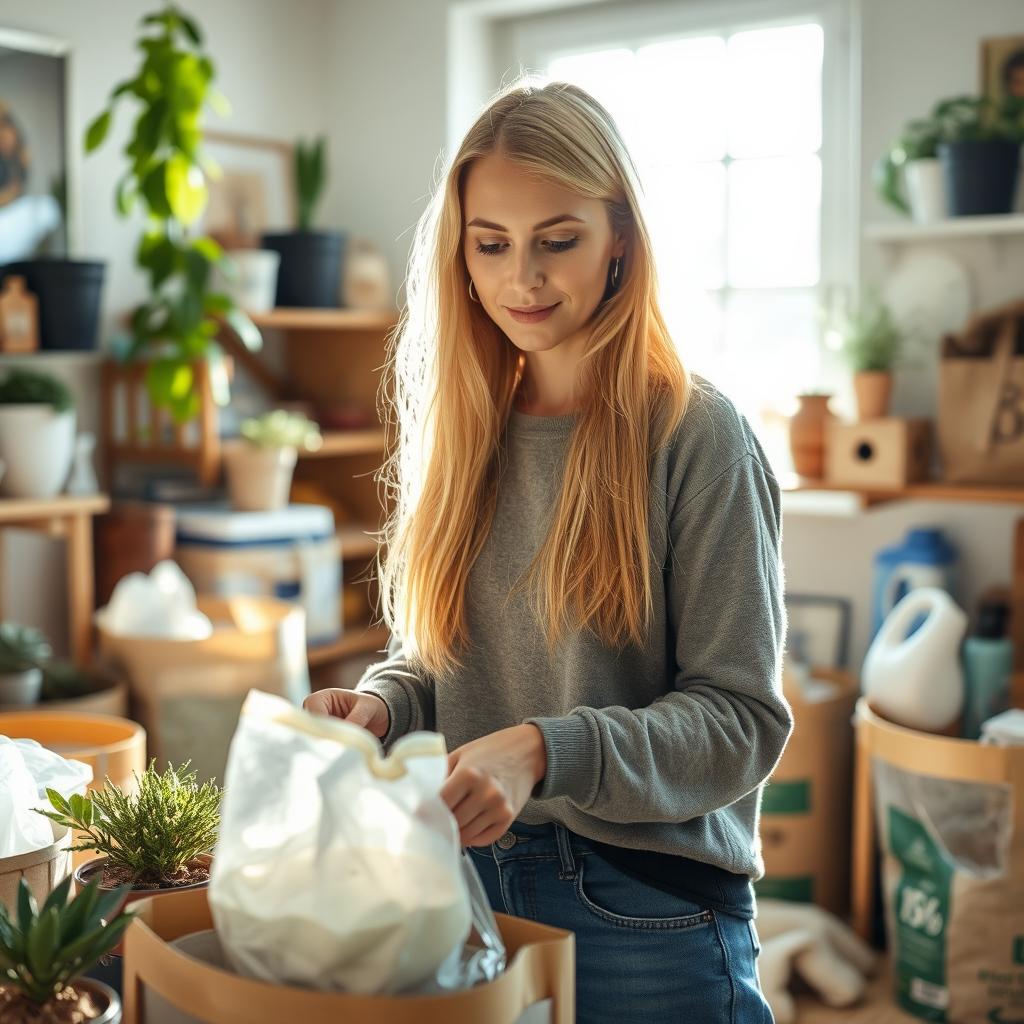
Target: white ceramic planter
{"type": "Point", "coordinates": [20, 689]}
{"type": "Point", "coordinates": [259, 479]}
{"type": "Point", "coordinates": [253, 285]}
{"type": "Point", "coordinates": [37, 445]}
{"type": "Point", "coordinates": [926, 189]}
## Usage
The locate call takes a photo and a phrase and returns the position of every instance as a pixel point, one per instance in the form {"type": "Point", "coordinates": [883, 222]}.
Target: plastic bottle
{"type": "Point", "coordinates": [987, 662]}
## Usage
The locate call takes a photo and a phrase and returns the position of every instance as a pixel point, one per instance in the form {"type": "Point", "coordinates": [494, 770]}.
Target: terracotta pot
{"type": "Point", "coordinates": [873, 389]}
{"type": "Point", "coordinates": [132, 537]}
{"type": "Point", "coordinates": [807, 428]}
{"type": "Point", "coordinates": [259, 478]}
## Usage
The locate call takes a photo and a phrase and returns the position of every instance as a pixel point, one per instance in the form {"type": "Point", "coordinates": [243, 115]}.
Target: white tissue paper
{"type": "Point", "coordinates": [161, 604]}
{"type": "Point", "coordinates": [336, 868]}
{"type": "Point", "coordinates": [26, 770]}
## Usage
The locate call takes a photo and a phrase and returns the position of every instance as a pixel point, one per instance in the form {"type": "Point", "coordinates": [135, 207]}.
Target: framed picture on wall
{"type": "Point", "coordinates": [1002, 67]}
{"type": "Point", "coordinates": [819, 629]}
{"type": "Point", "coordinates": [35, 149]}
{"type": "Point", "coordinates": [254, 192]}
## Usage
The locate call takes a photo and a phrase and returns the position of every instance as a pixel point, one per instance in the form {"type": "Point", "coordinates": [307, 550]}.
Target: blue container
{"type": "Point", "coordinates": [925, 558]}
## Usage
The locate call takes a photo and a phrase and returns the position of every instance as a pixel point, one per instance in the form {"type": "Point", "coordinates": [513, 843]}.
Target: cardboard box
{"type": "Point", "coordinates": [887, 452]}
{"type": "Point", "coordinates": [541, 967]}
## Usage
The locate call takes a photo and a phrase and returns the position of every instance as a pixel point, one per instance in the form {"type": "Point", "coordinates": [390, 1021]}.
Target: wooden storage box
{"type": "Point", "coordinates": [887, 452]}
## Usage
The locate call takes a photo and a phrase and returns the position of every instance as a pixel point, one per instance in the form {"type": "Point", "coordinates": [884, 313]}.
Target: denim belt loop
{"type": "Point", "coordinates": [567, 872]}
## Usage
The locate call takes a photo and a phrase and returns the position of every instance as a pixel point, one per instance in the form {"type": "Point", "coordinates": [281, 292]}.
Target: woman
{"type": "Point", "coordinates": [583, 561]}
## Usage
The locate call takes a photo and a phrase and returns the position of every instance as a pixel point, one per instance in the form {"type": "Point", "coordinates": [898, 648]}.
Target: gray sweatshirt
{"type": "Point", "coordinates": [664, 748]}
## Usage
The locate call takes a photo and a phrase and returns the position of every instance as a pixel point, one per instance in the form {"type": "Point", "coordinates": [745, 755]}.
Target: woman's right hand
{"type": "Point", "coordinates": [365, 709]}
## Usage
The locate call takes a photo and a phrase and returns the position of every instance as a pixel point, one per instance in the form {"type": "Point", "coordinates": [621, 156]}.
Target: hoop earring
{"type": "Point", "coordinates": [471, 295]}
{"type": "Point", "coordinates": [616, 266]}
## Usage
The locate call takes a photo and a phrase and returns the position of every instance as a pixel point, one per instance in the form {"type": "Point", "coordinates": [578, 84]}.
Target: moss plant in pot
{"type": "Point", "coordinates": [176, 328]}
{"type": "Point", "coordinates": [259, 465]}
{"type": "Point", "coordinates": [45, 951]}
{"type": "Point", "coordinates": [37, 434]}
{"type": "Point", "coordinates": [23, 652]}
{"type": "Point", "coordinates": [872, 344]}
{"type": "Point", "coordinates": [309, 274]}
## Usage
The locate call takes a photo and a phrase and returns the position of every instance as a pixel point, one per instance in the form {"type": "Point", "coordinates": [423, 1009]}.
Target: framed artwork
{"type": "Point", "coordinates": [1002, 67]}
{"type": "Point", "coordinates": [254, 193]}
{"type": "Point", "coordinates": [35, 148]}
{"type": "Point", "coordinates": [819, 629]}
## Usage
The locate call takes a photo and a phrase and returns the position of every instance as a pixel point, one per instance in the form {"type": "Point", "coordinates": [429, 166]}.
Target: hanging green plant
{"type": "Point", "coordinates": [177, 326]}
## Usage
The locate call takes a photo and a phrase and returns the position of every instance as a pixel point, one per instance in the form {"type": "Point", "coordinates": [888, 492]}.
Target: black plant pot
{"type": "Point", "coordinates": [310, 272]}
{"type": "Point", "coordinates": [981, 177]}
{"type": "Point", "coordinates": [69, 293]}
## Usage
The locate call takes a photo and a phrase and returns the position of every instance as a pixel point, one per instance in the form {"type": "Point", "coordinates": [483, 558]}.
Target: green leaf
{"type": "Point", "coordinates": [42, 942]}
{"type": "Point", "coordinates": [81, 808]}
{"type": "Point", "coordinates": [58, 801]}
{"type": "Point", "coordinates": [185, 189]}
{"type": "Point", "coordinates": [154, 188]}
{"type": "Point", "coordinates": [208, 248]}
{"type": "Point", "coordinates": [28, 909]}
{"type": "Point", "coordinates": [97, 131]}
{"type": "Point", "coordinates": [125, 195]}
{"type": "Point", "coordinates": [191, 28]}
{"type": "Point", "coordinates": [248, 333]}
{"type": "Point", "coordinates": [58, 897]}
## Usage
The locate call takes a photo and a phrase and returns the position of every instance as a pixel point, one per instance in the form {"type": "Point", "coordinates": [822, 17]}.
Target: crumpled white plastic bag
{"type": "Point", "coordinates": [336, 868]}
{"type": "Point", "coordinates": [162, 604]}
{"type": "Point", "coordinates": [26, 770]}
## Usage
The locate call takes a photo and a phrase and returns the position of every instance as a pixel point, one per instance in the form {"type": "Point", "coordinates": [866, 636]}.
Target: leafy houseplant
{"type": "Point", "coordinates": [177, 326]}
{"type": "Point", "coordinates": [23, 651]}
{"type": "Point", "coordinates": [873, 344]}
{"type": "Point", "coordinates": [259, 466]}
{"type": "Point", "coordinates": [37, 433]}
{"type": "Point", "coordinates": [45, 951]}
{"type": "Point", "coordinates": [310, 270]}
{"type": "Point", "coordinates": [158, 838]}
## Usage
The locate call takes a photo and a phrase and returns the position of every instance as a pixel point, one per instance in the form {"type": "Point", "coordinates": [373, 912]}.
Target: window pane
{"type": "Point", "coordinates": [774, 91]}
{"type": "Point", "coordinates": [694, 320]}
{"type": "Point", "coordinates": [684, 210]}
{"type": "Point", "coordinates": [774, 217]}
{"type": "Point", "coordinates": [684, 85]}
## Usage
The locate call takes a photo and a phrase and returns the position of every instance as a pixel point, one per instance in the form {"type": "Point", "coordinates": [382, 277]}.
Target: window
{"type": "Point", "coordinates": [725, 126]}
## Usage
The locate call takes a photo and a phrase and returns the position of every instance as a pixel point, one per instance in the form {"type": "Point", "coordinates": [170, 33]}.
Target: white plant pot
{"type": "Point", "coordinates": [926, 189]}
{"type": "Point", "coordinates": [37, 446]}
{"type": "Point", "coordinates": [259, 479]}
{"type": "Point", "coordinates": [20, 689]}
{"type": "Point", "coordinates": [253, 286]}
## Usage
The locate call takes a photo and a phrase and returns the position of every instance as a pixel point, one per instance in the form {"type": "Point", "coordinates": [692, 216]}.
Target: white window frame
{"type": "Point", "coordinates": [528, 43]}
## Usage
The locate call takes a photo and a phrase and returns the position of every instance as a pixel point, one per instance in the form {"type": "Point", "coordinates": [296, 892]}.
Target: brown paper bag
{"type": "Point", "coordinates": [188, 693]}
{"type": "Point", "coordinates": [541, 967]}
{"type": "Point", "coordinates": [981, 399]}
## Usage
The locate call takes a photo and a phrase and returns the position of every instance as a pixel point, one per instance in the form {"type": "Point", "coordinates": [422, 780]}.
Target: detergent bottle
{"type": "Point", "coordinates": [917, 680]}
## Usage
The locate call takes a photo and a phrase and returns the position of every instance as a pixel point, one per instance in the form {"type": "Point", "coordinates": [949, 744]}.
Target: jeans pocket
{"type": "Point", "coordinates": [620, 899]}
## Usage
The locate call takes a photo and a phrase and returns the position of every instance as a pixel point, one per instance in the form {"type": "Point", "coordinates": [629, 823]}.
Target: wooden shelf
{"type": "Point", "coordinates": [932, 490]}
{"type": "Point", "coordinates": [358, 639]}
{"type": "Point", "coordinates": [355, 544]}
{"type": "Point", "coordinates": [296, 319]}
{"type": "Point", "coordinates": [348, 442]}
{"type": "Point", "coordinates": [951, 227]}
{"type": "Point", "coordinates": [15, 510]}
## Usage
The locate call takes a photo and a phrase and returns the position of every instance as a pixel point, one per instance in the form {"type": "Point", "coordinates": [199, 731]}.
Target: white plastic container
{"type": "Point", "coordinates": [916, 680]}
{"type": "Point", "coordinates": [292, 553]}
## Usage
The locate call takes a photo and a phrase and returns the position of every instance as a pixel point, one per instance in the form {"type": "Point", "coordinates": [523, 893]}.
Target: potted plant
{"type": "Point", "coordinates": [23, 650]}
{"type": "Point", "coordinates": [178, 325]}
{"type": "Point", "coordinates": [66, 687]}
{"type": "Point", "coordinates": [311, 261]}
{"type": "Point", "coordinates": [260, 464]}
{"type": "Point", "coordinates": [37, 434]}
{"type": "Point", "coordinates": [872, 344]}
{"type": "Point", "coordinates": [44, 953]}
{"type": "Point", "coordinates": [980, 152]}
{"type": "Point", "coordinates": [908, 176]}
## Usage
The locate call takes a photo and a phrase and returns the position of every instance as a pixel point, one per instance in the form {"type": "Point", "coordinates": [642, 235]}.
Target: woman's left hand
{"type": "Point", "coordinates": [490, 780]}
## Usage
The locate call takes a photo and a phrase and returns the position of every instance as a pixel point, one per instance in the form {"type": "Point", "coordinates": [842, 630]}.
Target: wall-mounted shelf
{"type": "Point", "coordinates": [348, 442]}
{"type": "Point", "coordinates": [360, 640]}
{"type": "Point", "coordinates": [932, 490]}
{"type": "Point", "coordinates": [953, 227]}
{"type": "Point", "coordinates": [292, 319]}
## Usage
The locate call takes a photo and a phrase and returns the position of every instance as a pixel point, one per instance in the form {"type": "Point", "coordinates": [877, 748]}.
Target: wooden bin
{"type": "Point", "coordinates": [43, 869]}
{"type": "Point", "coordinates": [541, 965]}
{"type": "Point", "coordinates": [805, 810]}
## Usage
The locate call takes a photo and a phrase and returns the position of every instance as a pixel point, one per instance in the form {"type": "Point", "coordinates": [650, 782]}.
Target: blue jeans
{"type": "Point", "coordinates": [641, 954]}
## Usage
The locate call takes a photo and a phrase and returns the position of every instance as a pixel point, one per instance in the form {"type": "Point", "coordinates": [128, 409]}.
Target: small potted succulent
{"type": "Point", "coordinates": [259, 466]}
{"type": "Point", "coordinates": [311, 261]}
{"type": "Point", "coordinates": [155, 841]}
{"type": "Point", "coordinates": [44, 953]}
{"type": "Point", "coordinates": [872, 344]}
{"type": "Point", "coordinates": [23, 652]}
{"type": "Point", "coordinates": [37, 434]}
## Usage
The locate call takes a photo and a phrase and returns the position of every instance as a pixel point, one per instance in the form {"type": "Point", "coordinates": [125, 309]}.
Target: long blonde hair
{"type": "Point", "coordinates": [449, 385]}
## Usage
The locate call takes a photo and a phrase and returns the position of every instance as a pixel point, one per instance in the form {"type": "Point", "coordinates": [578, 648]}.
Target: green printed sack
{"type": "Point", "coordinates": [953, 884]}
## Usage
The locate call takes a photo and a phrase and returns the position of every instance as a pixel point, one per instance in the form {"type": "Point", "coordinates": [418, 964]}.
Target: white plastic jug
{"type": "Point", "coordinates": [917, 680]}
